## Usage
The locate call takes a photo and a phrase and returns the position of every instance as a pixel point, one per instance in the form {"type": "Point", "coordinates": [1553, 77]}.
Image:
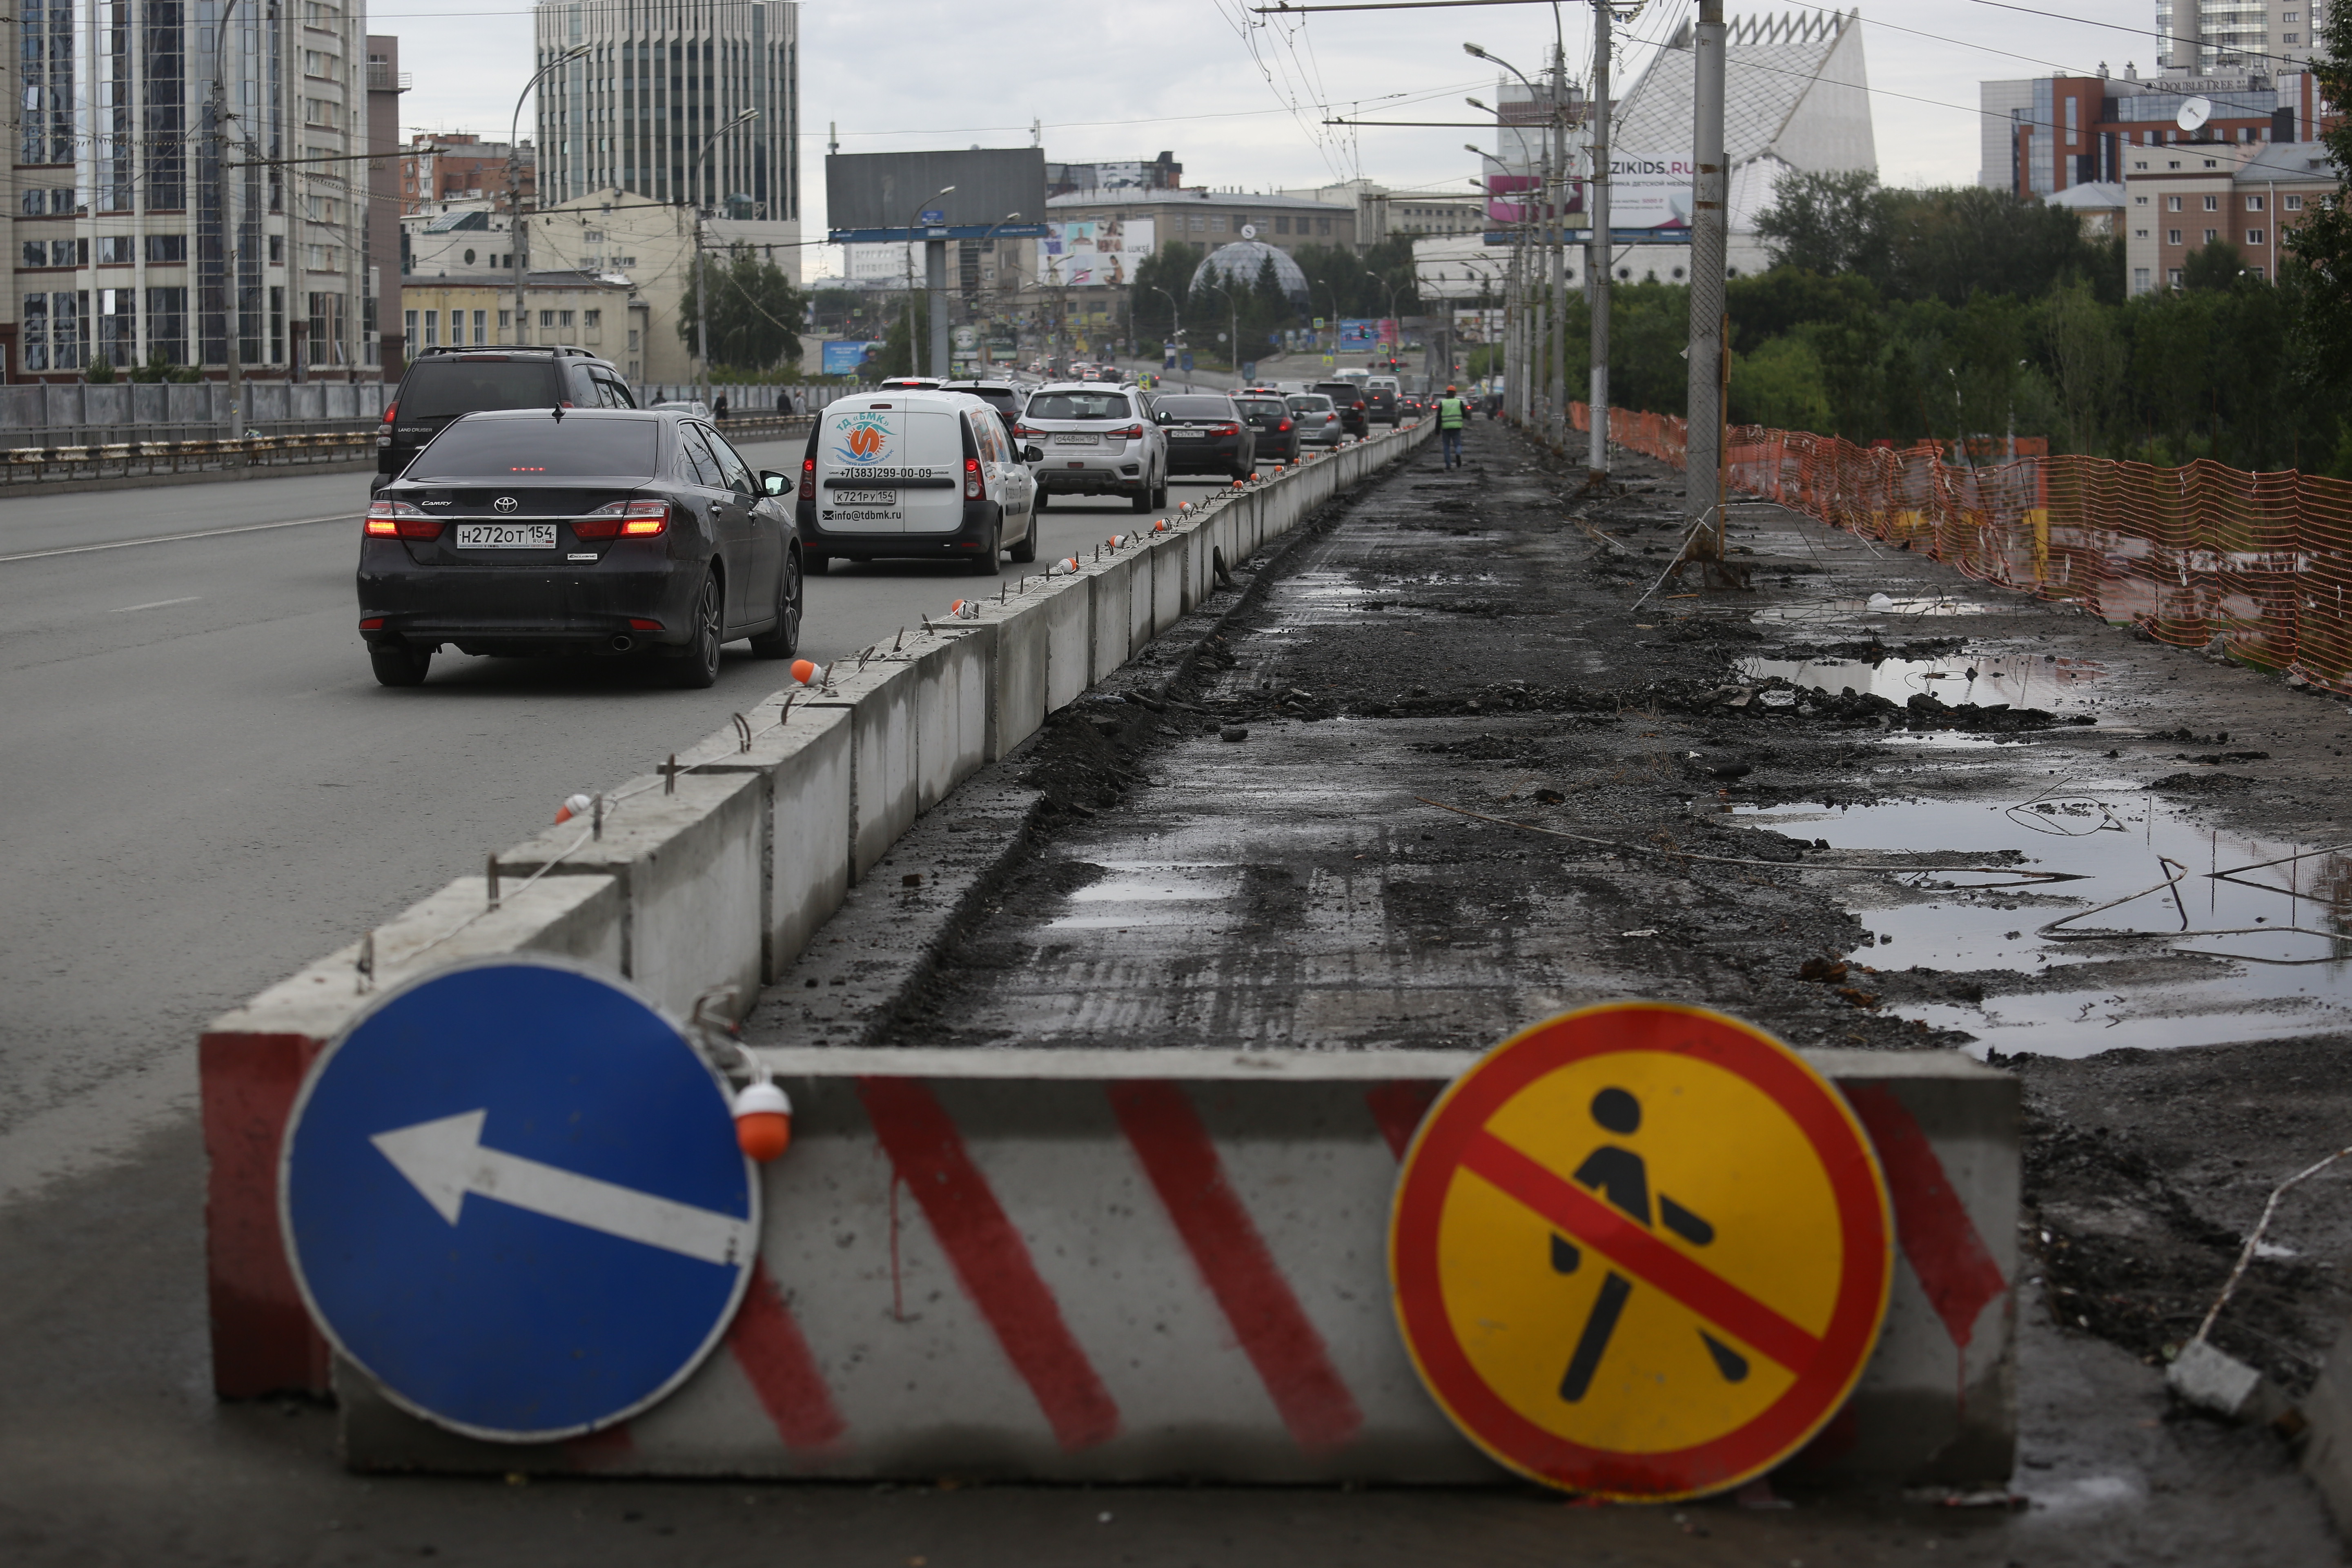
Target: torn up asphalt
{"type": "Point", "coordinates": [1242, 840]}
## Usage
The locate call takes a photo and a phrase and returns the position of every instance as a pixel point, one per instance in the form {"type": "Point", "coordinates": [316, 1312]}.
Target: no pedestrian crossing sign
{"type": "Point", "coordinates": [512, 1195]}
{"type": "Point", "coordinates": [1641, 1250]}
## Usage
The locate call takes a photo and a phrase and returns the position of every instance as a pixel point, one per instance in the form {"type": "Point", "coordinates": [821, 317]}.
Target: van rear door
{"type": "Point", "coordinates": [933, 490]}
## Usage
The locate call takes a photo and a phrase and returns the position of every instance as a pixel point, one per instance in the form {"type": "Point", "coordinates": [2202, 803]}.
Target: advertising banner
{"type": "Point", "coordinates": [1649, 193]}
{"type": "Point", "coordinates": [1094, 252]}
{"type": "Point", "coordinates": [1511, 198]}
{"type": "Point", "coordinates": [1362, 335]}
{"type": "Point", "coordinates": [846, 358]}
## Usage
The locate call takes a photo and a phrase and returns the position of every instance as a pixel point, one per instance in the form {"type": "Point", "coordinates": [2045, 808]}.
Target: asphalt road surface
{"type": "Point", "coordinates": [206, 788]}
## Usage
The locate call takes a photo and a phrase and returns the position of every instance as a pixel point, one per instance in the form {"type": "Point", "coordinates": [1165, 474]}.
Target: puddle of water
{"type": "Point", "coordinates": [1826, 610]}
{"type": "Point", "coordinates": [1146, 893]}
{"type": "Point", "coordinates": [2281, 912]}
{"type": "Point", "coordinates": [2021, 681]}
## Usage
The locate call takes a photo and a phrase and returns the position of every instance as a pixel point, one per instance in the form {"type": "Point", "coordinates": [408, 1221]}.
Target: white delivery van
{"type": "Point", "coordinates": [912, 472]}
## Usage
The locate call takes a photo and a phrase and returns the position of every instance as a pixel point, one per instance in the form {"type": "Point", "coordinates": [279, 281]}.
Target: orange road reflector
{"type": "Point", "coordinates": [574, 806]}
{"type": "Point", "coordinates": [763, 1121]}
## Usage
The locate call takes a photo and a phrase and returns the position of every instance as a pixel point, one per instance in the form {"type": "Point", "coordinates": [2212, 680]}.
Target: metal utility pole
{"type": "Point", "coordinates": [232, 286]}
{"type": "Point", "coordinates": [1557, 392]}
{"type": "Point", "coordinates": [1702, 447]}
{"type": "Point", "coordinates": [1598, 256]}
{"type": "Point", "coordinates": [514, 177]}
{"type": "Point", "coordinates": [916, 352]}
{"type": "Point", "coordinates": [701, 271]}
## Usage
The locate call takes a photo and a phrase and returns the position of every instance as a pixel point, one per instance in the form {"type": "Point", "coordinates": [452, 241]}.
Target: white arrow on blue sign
{"type": "Point", "coordinates": [512, 1195]}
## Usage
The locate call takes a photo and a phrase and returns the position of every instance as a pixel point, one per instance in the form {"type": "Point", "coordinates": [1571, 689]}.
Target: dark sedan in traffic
{"type": "Point", "coordinates": [1206, 435]}
{"type": "Point", "coordinates": [1277, 433]}
{"type": "Point", "coordinates": [552, 530]}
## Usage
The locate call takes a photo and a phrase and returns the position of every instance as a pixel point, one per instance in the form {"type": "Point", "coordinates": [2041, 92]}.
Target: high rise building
{"type": "Point", "coordinates": [2216, 35]}
{"type": "Point", "coordinates": [660, 81]}
{"type": "Point", "coordinates": [135, 227]}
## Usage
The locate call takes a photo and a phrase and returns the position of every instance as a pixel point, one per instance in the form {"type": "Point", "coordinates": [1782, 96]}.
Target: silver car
{"type": "Point", "coordinates": [1316, 417]}
{"type": "Point", "coordinates": [1095, 438]}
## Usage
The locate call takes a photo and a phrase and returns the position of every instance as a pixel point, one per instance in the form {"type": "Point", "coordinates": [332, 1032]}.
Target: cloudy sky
{"type": "Point", "coordinates": [1240, 98]}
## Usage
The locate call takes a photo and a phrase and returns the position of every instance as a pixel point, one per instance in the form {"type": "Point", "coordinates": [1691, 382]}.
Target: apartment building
{"type": "Point", "coordinates": [458, 166]}
{"type": "Point", "coordinates": [2179, 199]}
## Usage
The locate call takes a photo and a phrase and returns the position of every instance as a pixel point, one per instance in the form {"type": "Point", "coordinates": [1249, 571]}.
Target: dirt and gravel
{"type": "Point", "coordinates": [1455, 758]}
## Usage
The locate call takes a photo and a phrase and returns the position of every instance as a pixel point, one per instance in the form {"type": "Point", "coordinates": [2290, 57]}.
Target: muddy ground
{"type": "Point", "coordinates": [1245, 843]}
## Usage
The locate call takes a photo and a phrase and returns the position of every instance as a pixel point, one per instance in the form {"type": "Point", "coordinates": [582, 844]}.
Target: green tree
{"type": "Point", "coordinates": [1827, 223]}
{"type": "Point", "coordinates": [756, 313]}
{"type": "Point", "coordinates": [2216, 264]}
{"type": "Point", "coordinates": [2322, 243]}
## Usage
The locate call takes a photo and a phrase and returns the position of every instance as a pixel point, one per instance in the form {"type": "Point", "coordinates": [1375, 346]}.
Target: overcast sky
{"type": "Point", "coordinates": [1239, 103]}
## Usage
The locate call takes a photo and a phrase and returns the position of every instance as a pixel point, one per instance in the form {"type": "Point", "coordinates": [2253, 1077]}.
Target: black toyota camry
{"type": "Point", "coordinates": [555, 530]}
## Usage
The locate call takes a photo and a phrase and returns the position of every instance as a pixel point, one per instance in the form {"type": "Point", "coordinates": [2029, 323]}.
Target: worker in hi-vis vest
{"type": "Point", "coordinates": [1452, 414]}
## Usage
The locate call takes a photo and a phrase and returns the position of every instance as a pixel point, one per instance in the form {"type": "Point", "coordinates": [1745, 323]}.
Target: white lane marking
{"type": "Point", "coordinates": [156, 604]}
{"type": "Point", "coordinates": [444, 1160]}
{"type": "Point", "coordinates": [175, 537]}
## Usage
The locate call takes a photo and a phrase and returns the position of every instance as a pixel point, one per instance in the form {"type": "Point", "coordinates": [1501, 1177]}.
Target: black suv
{"type": "Point", "coordinates": [442, 384]}
{"type": "Point", "coordinates": [1349, 399]}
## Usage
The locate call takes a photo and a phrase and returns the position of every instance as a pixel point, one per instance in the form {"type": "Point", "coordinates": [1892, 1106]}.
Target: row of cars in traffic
{"type": "Point", "coordinates": [525, 505]}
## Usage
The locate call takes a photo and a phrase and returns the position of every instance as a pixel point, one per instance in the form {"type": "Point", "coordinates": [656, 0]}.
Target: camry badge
{"type": "Point", "coordinates": [506, 503]}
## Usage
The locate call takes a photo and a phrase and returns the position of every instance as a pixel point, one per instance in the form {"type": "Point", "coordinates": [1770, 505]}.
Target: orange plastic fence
{"type": "Point", "coordinates": [2258, 563]}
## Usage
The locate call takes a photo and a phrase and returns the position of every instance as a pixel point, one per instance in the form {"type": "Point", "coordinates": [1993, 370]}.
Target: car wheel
{"type": "Point", "coordinates": [1027, 551]}
{"type": "Point", "coordinates": [1141, 500]}
{"type": "Point", "coordinates": [697, 666]}
{"type": "Point", "coordinates": [785, 640]}
{"type": "Point", "coordinates": [983, 563]}
{"type": "Point", "coordinates": [1159, 494]}
{"type": "Point", "coordinates": [400, 665]}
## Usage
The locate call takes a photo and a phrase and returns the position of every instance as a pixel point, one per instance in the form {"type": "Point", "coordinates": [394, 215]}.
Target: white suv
{"type": "Point", "coordinates": [1095, 438]}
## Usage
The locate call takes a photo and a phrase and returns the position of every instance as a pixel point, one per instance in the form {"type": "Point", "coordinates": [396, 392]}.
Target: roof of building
{"type": "Point", "coordinates": [2094, 195]}
{"type": "Point", "coordinates": [2288, 161]}
{"type": "Point", "coordinates": [532, 279]}
{"type": "Point", "coordinates": [1194, 194]}
{"type": "Point", "coordinates": [1795, 89]}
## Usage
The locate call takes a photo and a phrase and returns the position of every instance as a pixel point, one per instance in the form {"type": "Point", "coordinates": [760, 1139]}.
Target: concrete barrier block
{"type": "Point", "coordinates": [1168, 581]}
{"type": "Point", "coordinates": [1137, 1266]}
{"type": "Point", "coordinates": [690, 866]}
{"type": "Point", "coordinates": [1139, 597]}
{"type": "Point", "coordinates": [1068, 609]}
{"type": "Point", "coordinates": [1017, 671]}
{"type": "Point", "coordinates": [1112, 585]}
{"type": "Point", "coordinates": [884, 771]}
{"type": "Point", "coordinates": [250, 1064]}
{"type": "Point", "coordinates": [950, 711]}
{"type": "Point", "coordinates": [803, 766]}
{"type": "Point", "coordinates": [2327, 1452]}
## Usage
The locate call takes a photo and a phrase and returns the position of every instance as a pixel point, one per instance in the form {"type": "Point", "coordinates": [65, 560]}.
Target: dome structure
{"type": "Point", "coordinates": [1237, 266]}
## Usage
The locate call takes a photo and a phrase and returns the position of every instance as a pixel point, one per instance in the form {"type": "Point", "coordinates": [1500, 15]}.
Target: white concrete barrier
{"type": "Point", "coordinates": [1143, 1266]}
{"type": "Point", "coordinates": [688, 856]}
{"type": "Point", "coordinates": [724, 881]}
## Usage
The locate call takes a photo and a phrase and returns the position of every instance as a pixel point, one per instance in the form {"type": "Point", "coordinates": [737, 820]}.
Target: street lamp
{"type": "Point", "coordinates": [989, 234]}
{"type": "Point", "coordinates": [231, 286]}
{"type": "Point", "coordinates": [701, 271]}
{"type": "Point", "coordinates": [1234, 334]}
{"type": "Point", "coordinates": [514, 174]}
{"type": "Point", "coordinates": [1175, 316]}
{"type": "Point", "coordinates": [914, 360]}
{"type": "Point", "coordinates": [1548, 208]}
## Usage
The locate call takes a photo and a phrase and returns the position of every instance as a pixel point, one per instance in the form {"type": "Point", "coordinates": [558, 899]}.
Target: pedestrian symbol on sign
{"type": "Point", "coordinates": [1621, 1178]}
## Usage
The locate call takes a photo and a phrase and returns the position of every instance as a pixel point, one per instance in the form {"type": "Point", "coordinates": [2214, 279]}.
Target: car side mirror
{"type": "Point", "coordinates": [773, 483]}
{"type": "Point", "coordinates": [1032, 454]}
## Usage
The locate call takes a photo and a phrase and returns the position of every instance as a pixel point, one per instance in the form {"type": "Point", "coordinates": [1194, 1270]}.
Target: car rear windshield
{"type": "Point", "coordinates": [1000, 398]}
{"type": "Point", "coordinates": [444, 388]}
{"type": "Point", "coordinates": [1260, 408]}
{"type": "Point", "coordinates": [1310, 402]}
{"type": "Point", "coordinates": [488, 448]}
{"type": "Point", "coordinates": [1078, 405]}
{"type": "Point", "coordinates": [1342, 393]}
{"type": "Point", "coordinates": [1195, 408]}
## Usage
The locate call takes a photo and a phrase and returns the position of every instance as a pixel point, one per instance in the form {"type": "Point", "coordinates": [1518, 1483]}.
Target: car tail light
{"type": "Point", "coordinates": [808, 479]}
{"type": "Point", "coordinates": [372, 623]}
{"type": "Point", "coordinates": [1129, 433]}
{"type": "Point", "coordinates": [623, 519]}
{"type": "Point", "coordinates": [1022, 433]}
{"type": "Point", "coordinates": [1225, 430]}
{"type": "Point", "coordinates": [398, 520]}
{"type": "Point", "coordinates": [389, 410]}
{"type": "Point", "coordinates": [972, 488]}
{"type": "Point", "coordinates": [1360, 404]}
{"type": "Point", "coordinates": [1281, 427]}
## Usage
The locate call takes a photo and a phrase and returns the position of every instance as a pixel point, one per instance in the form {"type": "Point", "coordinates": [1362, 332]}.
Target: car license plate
{"type": "Point", "coordinates": [866, 498]}
{"type": "Point", "coordinates": [1188, 435]}
{"type": "Point", "coordinates": [506, 536]}
{"type": "Point", "coordinates": [1076, 440]}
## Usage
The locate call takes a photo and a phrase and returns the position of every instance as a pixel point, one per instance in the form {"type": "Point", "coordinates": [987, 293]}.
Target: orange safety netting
{"type": "Point", "coordinates": [2202, 555]}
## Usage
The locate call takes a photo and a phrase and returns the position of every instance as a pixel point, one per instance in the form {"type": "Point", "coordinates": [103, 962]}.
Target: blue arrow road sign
{"type": "Point", "coordinates": [512, 1195]}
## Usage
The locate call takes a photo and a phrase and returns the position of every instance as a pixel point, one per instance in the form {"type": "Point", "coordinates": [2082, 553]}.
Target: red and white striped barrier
{"type": "Point", "coordinates": [1133, 1265]}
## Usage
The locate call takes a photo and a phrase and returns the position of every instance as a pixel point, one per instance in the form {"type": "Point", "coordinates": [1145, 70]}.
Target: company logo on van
{"type": "Point", "coordinates": [865, 440]}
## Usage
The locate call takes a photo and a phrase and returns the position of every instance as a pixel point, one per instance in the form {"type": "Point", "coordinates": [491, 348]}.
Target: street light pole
{"type": "Point", "coordinates": [231, 286]}
{"type": "Point", "coordinates": [514, 178]}
{"type": "Point", "coordinates": [1703, 443]}
{"type": "Point", "coordinates": [1598, 252]}
{"type": "Point", "coordinates": [701, 271]}
{"type": "Point", "coordinates": [1546, 202]}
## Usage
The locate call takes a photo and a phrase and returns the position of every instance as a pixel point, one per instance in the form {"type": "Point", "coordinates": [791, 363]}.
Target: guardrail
{"type": "Point", "coordinates": [26, 465]}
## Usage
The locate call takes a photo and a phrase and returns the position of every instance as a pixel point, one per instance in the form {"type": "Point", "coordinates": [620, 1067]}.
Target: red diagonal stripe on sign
{"type": "Point", "coordinates": [1275, 1332]}
{"type": "Point", "coordinates": [1398, 1107]}
{"type": "Point", "coordinates": [1577, 1213]}
{"type": "Point", "coordinates": [1945, 1250]}
{"type": "Point", "coordinates": [768, 1345]}
{"type": "Point", "coordinates": [990, 1260]}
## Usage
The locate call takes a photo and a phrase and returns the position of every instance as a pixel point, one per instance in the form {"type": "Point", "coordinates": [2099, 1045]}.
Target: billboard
{"type": "Point", "coordinates": [843, 357]}
{"type": "Point", "coordinates": [893, 190]}
{"type": "Point", "coordinates": [1649, 193]}
{"type": "Point", "coordinates": [1512, 198]}
{"type": "Point", "coordinates": [1362, 335]}
{"type": "Point", "coordinates": [1094, 252]}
